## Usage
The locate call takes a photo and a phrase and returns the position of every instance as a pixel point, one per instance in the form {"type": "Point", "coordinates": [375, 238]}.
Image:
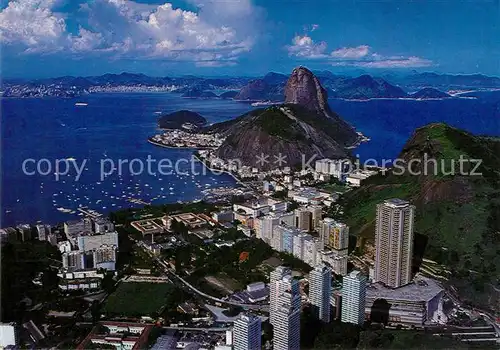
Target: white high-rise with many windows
{"type": "Point", "coordinates": [286, 328]}
{"type": "Point", "coordinates": [353, 298]}
{"type": "Point", "coordinates": [247, 332]}
{"type": "Point", "coordinates": [394, 242]}
{"type": "Point", "coordinates": [320, 290]}
{"type": "Point", "coordinates": [284, 309]}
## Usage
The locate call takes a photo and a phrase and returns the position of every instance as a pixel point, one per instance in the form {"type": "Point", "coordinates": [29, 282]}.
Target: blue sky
{"type": "Point", "coordinates": [42, 38]}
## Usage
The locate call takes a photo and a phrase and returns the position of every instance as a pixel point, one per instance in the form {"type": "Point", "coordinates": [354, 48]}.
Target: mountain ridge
{"type": "Point", "coordinates": [458, 215]}
{"type": "Point", "coordinates": [339, 85]}
{"type": "Point", "coordinates": [303, 127]}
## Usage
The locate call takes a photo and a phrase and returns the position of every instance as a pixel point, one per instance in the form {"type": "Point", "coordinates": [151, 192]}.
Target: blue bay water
{"type": "Point", "coordinates": [111, 126]}
{"type": "Point", "coordinates": [116, 126]}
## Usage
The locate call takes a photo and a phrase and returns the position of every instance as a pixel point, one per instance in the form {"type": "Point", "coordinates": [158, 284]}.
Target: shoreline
{"type": "Point", "coordinates": [176, 147]}
{"type": "Point", "coordinates": [205, 164]}
{"type": "Point", "coordinates": [219, 170]}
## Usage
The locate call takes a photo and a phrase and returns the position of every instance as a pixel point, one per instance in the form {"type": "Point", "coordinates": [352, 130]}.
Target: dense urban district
{"type": "Point", "coordinates": [266, 265]}
{"type": "Point", "coordinates": [312, 257]}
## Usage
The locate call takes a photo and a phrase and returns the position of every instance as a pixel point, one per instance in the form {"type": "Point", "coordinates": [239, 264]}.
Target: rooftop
{"type": "Point", "coordinates": [396, 202]}
{"type": "Point", "coordinates": [421, 289]}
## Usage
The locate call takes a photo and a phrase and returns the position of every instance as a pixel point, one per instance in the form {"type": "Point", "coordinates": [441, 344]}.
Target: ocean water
{"type": "Point", "coordinates": [389, 123]}
{"type": "Point", "coordinates": [115, 127]}
{"type": "Point", "coordinates": [112, 127]}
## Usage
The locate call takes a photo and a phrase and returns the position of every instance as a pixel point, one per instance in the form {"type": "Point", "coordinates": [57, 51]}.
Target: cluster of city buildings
{"type": "Point", "coordinates": [91, 246]}
{"type": "Point", "coordinates": [301, 232]}
{"type": "Point", "coordinates": [186, 139]}
{"type": "Point", "coordinates": [388, 294]}
{"type": "Point", "coordinates": [26, 232]}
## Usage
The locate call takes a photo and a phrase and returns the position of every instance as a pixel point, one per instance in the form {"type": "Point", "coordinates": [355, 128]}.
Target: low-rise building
{"type": "Point", "coordinates": [223, 216]}
{"type": "Point", "coordinates": [414, 304]}
{"type": "Point", "coordinates": [8, 335]}
{"type": "Point", "coordinates": [356, 177]}
{"type": "Point", "coordinates": [122, 335]}
{"type": "Point", "coordinates": [147, 227]}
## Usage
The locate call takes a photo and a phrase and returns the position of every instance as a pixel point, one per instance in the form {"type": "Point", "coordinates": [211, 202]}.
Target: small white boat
{"type": "Point", "coordinates": [81, 104]}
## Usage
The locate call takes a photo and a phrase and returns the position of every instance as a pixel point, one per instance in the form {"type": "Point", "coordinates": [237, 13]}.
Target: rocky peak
{"type": "Point", "coordinates": [303, 88]}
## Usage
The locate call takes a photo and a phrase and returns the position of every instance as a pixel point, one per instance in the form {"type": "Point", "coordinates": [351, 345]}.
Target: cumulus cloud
{"type": "Point", "coordinates": [31, 23]}
{"type": "Point", "coordinates": [304, 47]}
{"type": "Point", "coordinates": [124, 28]}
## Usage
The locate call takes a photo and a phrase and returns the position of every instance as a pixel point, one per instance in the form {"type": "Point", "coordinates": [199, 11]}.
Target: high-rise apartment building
{"type": "Point", "coordinates": [303, 219]}
{"type": "Point", "coordinates": [335, 235]}
{"type": "Point", "coordinates": [43, 231]}
{"type": "Point", "coordinates": [73, 260]}
{"type": "Point", "coordinates": [316, 215]}
{"type": "Point", "coordinates": [280, 281]}
{"type": "Point", "coordinates": [286, 328]}
{"type": "Point", "coordinates": [394, 242]}
{"type": "Point", "coordinates": [354, 298]}
{"type": "Point", "coordinates": [311, 250]}
{"type": "Point", "coordinates": [320, 290]}
{"type": "Point", "coordinates": [247, 332]}
{"type": "Point", "coordinates": [93, 241]}
{"type": "Point", "coordinates": [284, 309]}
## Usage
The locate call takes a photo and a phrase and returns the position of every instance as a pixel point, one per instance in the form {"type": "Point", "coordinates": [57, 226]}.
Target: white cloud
{"type": "Point", "coordinates": [396, 62]}
{"type": "Point", "coordinates": [86, 41]}
{"type": "Point", "coordinates": [124, 28]}
{"type": "Point", "coordinates": [303, 46]}
{"type": "Point", "coordinates": [31, 23]}
{"type": "Point", "coordinates": [351, 52]}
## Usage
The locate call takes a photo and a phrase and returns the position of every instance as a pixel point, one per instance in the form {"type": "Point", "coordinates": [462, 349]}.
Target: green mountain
{"type": "Point", "coordinates": [458, 215]}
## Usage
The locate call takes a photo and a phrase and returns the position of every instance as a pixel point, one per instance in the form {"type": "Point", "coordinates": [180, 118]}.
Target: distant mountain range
{"type": "Point", "coordinates": [268, 88]}
{"type": "Point", "coordinates": [444, 81]}
{"type": "Point", "coordinates": [430, 93]}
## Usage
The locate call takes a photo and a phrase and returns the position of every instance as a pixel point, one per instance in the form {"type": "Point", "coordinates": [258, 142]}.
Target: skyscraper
{"type": "Point", "coordinates": [320, 290]}
{"type": "Point", "coordinates": [335, 235]}
{"type": "Point", "coordinates": [394, 242]}
{"type": "Point", "coordinates": [286, 328]}
{"type": "Point", "coordinates": [354, 298]}
{"type": "Point", "coordinates": [247, 333]}
{"type": "Point", "coordinates": [316, 214]}
{"type": "Point", "coordinates": [284, 310]}
{"type": "Point", "coordinates": [303, 219]}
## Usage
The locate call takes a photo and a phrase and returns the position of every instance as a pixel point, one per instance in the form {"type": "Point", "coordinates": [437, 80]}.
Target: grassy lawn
{"type": "Point", "coordinates": [224, 282]}
{"type": "Point", "coordinates": [138, 299]}
{"type": "Point", "coordinates": [333, 188]}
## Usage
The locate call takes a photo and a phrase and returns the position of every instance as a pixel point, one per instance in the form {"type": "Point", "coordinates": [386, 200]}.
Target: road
{"type": "Point", "coordinates": [486, 316]}
{"type": "Point", "coordinates": [263, 308]}
{"type": "Point", "coordinates": [194, 329]}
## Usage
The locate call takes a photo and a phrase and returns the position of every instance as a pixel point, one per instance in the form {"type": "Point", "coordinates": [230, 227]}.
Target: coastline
{"type": "Point", "coordinates": [219, 170]}
{"type": "Point", "coordinates": [205, 164]}
{"type": "Point", "coordinates": [175, 147]}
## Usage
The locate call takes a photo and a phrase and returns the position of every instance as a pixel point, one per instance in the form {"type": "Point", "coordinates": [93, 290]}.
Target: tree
{"type": "Point", "coordinates": [338, 335]}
